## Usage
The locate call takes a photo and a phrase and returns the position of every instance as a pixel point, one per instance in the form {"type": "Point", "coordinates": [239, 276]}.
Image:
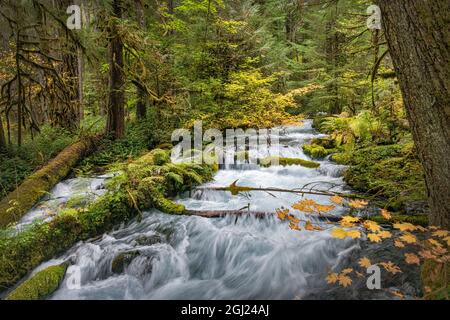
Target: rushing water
{"type": "Point", "coordinates": [188, 257]}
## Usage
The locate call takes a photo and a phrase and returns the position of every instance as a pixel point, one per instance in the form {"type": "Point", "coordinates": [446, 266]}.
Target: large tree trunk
{"type": "Point", "coordinates": [141, 105]}
{"type": "Point", "coordinates": [116, 103]}
{"type": "Point", "coordinates": [418, 36]}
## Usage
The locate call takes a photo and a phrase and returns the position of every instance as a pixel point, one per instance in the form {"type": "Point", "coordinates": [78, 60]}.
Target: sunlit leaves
{"type": "Point", "coordinates": [337, 200]}
{"type": "Point", "coordinates": [440, 233]}
{"type": "Point", "coordinates": [374, 237]}
{"type": "Point", "coordinates": [364, 262]}
{"type": "Point", "coordinates": [343, 278]}
{"type": "Point", "coordinates": [348, 221]}
{"type": "Point", "coordinates": [294, 226]}
{"type": "Point", "coordinates": [408, 238]}
{"type": "Point", "coordinates": [372, 226]}
{"type": "Point", "coordinates": [405, 226]}
{"type": "Point", "coordinates": [386, 214]}
{"type": "Point", "coordinates": [358, 204]}
{"type": "Point", "coordinates": [354, 234]}
{"type": "Point", "coordinates": [339, 233]}
{"type": "Point", "coordinates": [399, 244]}
{"type": "Point", "coordinates": [332, 278]}
{"type": "Point", "coordinates": [390, 267]}
{"type": "Point", "coordinates": [282, 213]}
{"type": "Point", "coordinates": [310, 206]}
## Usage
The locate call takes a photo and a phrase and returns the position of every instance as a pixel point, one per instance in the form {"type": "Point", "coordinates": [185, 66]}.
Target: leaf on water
{"type": "Point", "coordinates": [321, 208]}
{"type": "Point", "coordinates": [339, 233]}
{"type": "Point", "coordinates": [348, 221]}
{"type": "Point", "coordinates": [347, 271]}
{"type": "Point", "coordinates": [374, 237]}
{"type": "Point", "coordinates": [364, 262]}
{"type": "Point", "coordinates": [305, 205]}
{"type": "Point", "coordinates": [440, 233]}
{"type": "Point", "coordinates": [358, 204]}
{"type": "Point", "coordinates": [372, 226]}
{"type": "Point", "coordinates": [293, 219]}
{"type": "Point", "coordinates": [385, 234]}
{"type": "Point", "coordinates": [386, 214]}
{"type": "Point", "coordinates": [405, 226]}
{"type": "Point", "coordinates": [309, 226]}
{"type": "Point", "coordinates": [399, 244]}
{"type": "Point", "coordinates": [337, 199]}
{"type": "Point", "coordinates": [294, 226]}
{"type": "Point", "coordinates": [355, 234]}
{"type": "Point", "coordinates": [282, 213]}
{"type": "Point", "coordinates": [409, 238]}
{"type": "Point", "coordinates": [332, 278]}
{"type": "Point", "coordinates": [344, 280]}
{"type": "Point", "coordinates": [390, 267]}
{"type": "Point", "coordinates": [411, 258]}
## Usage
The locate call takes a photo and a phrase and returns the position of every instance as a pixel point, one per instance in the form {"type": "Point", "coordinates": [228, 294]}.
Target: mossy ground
{"type": "Point", "coordinates": [144, 183]}
{"type": "Point", "coordinates": [41, 285]}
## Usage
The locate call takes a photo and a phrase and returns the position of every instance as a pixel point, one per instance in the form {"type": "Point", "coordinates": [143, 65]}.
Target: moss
{"type": "Point", "coordinates": [41, 285]}
{"type": "Point", "coordinates": [342, 158]}
{"type": "Point", "coordinates": [421, 220]}
{"type": "Point", "coordinates": [316, 151]}
{"type": "Point", "coordinates": [436, 277]}
{"type": "Point", "coordinates": [267, 162]}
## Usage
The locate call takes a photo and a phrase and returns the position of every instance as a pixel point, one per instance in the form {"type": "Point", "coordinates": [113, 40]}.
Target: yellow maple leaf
{"type": "Point", "coordinates": [348, 221]}
{"type": "Point", "coordinates": [411, 258]}
{"type": "Point", "coordinates": [305, 205]}
{"type": "Point", "coordinates": [364, 262]}
{"type": "Point", "coordinates": [405, 226]}
{"type": "Point", "coordinates": [447, 239]}
{"type": "Point", "coordinates": [294, 226]}
{"type": "Point", "coordinates": [386, 214]}
{"type": "Point", "coordinates": [355, 234]}
{"type": "Point", "coordinates": [372, 226]}
{"type": "Point", "coordinates": [332, 278]}
{"type": "Point", "coordinates": [309, 226]}
{"type": "Point", "coordinates": [374, 237]}
{"type": "Point", "coordinates": [337, 199]}
{"type": "Point", "coordinates": [385, 234]}
{"type": "Point", "coordinates": [390, 267]}
{"type": "Point", "coordinates": [399, 244]}
{"type": "Point", "coordinates": [347, 271]}
{"type": "Point", "coordinates": [339, 233]}
{"type": "Point", "coordinates": [344, 280]}
{"type": "Point", "coordinates": [440, 233]}
{"type": "Point", "coordinates": [282, 213]}
{"type": "Point", "coordinates": [409, 238]}
{"type": "Point", "coordinates": [321, 208]}
{"type": "Point", "coordinates": [434, 243]}
{"type": "Point", "coordinates": [358, 204]}
{"type": "Point", "coordinates": [293, 219]}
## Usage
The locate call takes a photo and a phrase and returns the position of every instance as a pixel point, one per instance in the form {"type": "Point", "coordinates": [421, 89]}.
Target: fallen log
{"type": "Point", "coordinates": [21, 200]}
{"type": "Point", "coordinates": [257, 214]}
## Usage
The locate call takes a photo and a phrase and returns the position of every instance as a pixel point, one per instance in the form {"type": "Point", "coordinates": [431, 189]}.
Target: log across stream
{"type": "Point", "coordinates": [212, 254]}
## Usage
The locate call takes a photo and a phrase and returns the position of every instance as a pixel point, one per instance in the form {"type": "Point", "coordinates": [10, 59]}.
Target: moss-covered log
{"type": "Point", "coordinates": [19, 201]}
{"type": "Point", "coordinates": [145, 183]}
{"type": "Point", "coordinates": [269, 161]}
{"type": "Point", "coordinates": [41, 285]}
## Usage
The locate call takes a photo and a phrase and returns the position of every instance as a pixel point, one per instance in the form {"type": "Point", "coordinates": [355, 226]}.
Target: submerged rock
{"type": "Point", "coordinates": [122, 260]}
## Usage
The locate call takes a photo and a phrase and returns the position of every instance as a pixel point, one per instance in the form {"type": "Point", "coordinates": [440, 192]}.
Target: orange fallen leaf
{"type": "Point", "coordinates": [386, 214]}
{"type": "Point", "coordinates": [405, 226]}
{"type": "Point", "coordinates": [390, 267]}
{"type": "Point", "coordinates": [409, 238]}
{"type": "Point", "coordinates": [344, 280]}
{"type": "Point", "coordinates": [339, 233]}
{"type": "Point", "coordinates": [399, 244]}
{"type": "Point", "coordinates": [358, 204]}
{"type": "Point", "coordinates": [332, 278]}
{"type": "Point", "coordinates": [374, 237]}
{"type": "Point", "coordinates": [364, 262]}
{"type": "Point", "coordinates": [372, 226]}
{"type": "Point", "coordinates": [411, 258]}
{"type": "Point", "coordinates": [337, 199]}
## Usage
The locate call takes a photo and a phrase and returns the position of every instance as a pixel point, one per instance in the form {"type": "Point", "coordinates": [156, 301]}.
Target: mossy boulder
{"type": "Point", "coordinates": [267, 162]}
{"type": "Point", "coordinates": [41, 285]}
{"type": "Point", "coordinates": [316, 151]}
{"type": "Point", "coordinates": [420, 220]}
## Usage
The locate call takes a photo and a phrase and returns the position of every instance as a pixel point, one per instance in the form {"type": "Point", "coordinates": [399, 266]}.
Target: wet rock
{"type": "Point", "coordinates": [122, 260]}
{"type": "Point", "coordinates": [416, 207]}
{"type": "Point", "coordinates": [144, 240]}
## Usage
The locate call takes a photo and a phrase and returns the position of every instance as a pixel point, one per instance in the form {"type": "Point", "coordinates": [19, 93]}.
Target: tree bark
{"type": "Point", "coordinates": [2, 136]}
{"type": "Point", "coordinates": [116, 103]}
{"type": "Point", "coordinates": [418, 37]}
{"type": "Point", "coordinates": [141, 105]}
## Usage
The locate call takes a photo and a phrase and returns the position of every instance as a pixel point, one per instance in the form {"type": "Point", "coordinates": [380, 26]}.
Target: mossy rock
{"type": "Point", "coordinates": [41, 285]}
{"type": "Point", "coordinates": [267, 162]}
{"type": "Point", "coordinates": [435, 277]}
{"type": "Point", "coordinates": [420, 220]}
{"type": "Point", "coordinates": [342, 158]}
{"type": "Point", "coordinates": [122, 260]}
{"type": "Point", "coordinates": [316, 151]}
{"type": "Point", "coordinates": [327, 143]}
